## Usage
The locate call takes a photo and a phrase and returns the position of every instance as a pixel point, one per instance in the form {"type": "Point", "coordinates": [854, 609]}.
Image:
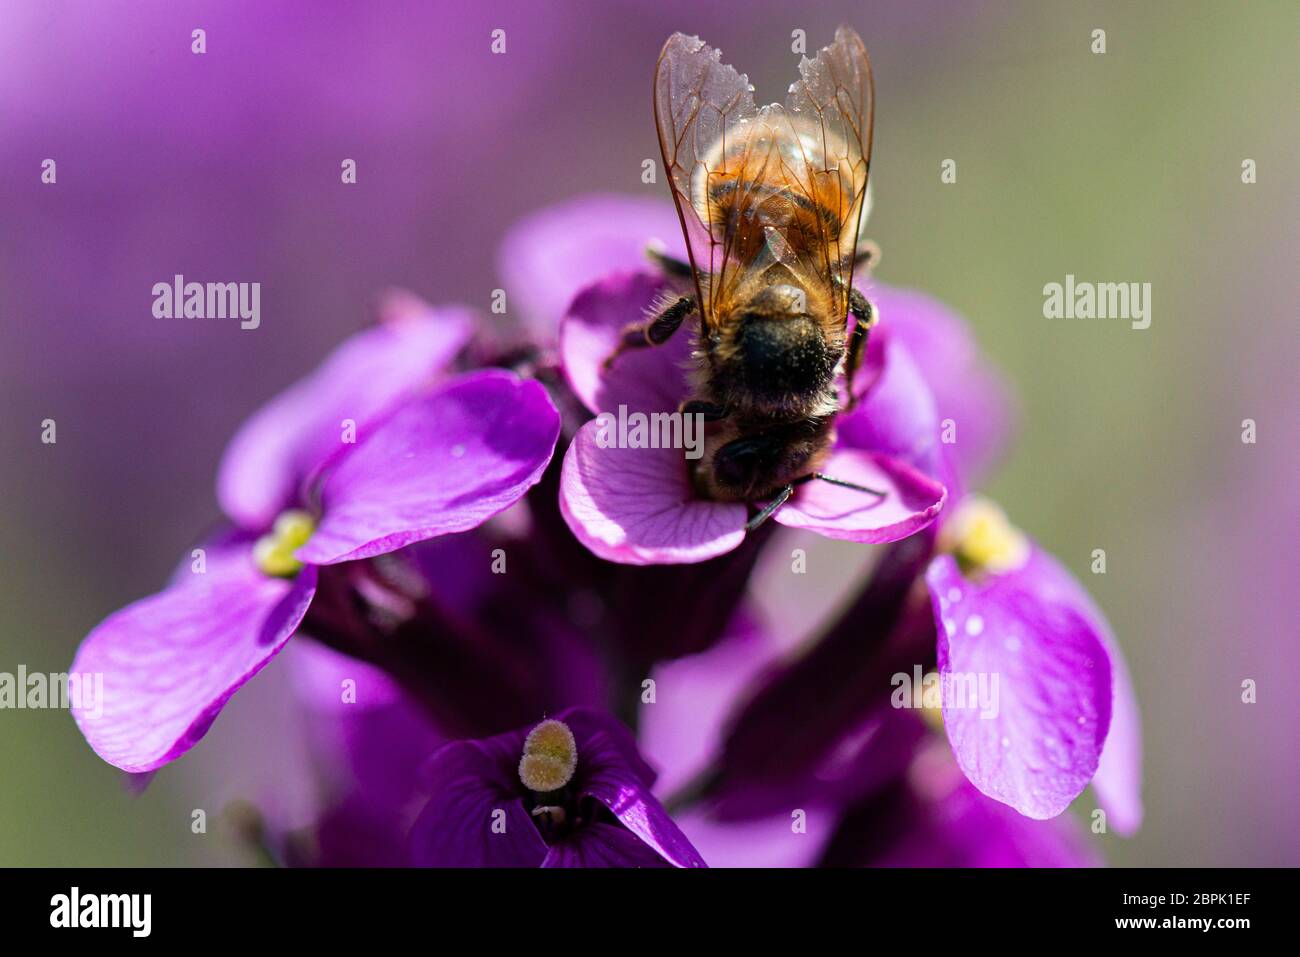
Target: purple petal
{"type": "Point", "coordinates": [967, 389]}
{"type": "Point", "coordinates": [1118, 781]}
{"type": "Point", "coordinates": [897, 414]}
{"type": "Point", "coordinates": [171, 661]}
{"type": "Point", "coordinates": [470, 781]}
{"type": "Point", "coordinates": [1053, 705]}
{"type": "Point", "coordinates": [910, 504]}
{"type": "Point", "coordinates": [763, 842]}
{"type": "Point", "coordinates": [599, 732]}
{"type": "Point", "coordinates": [681, 732]}
{"type": "Point", "coordinates": [445, 462]}
{"type": "Point", "coordinates": [289, 437]}
{"type": "Point", "coordinates": [318, 674]}
{"type": "Point", "coordinates": [611, 770]}
{"type": "Point", "coordinates": [602, 845]}
{"type": "Point", "coordinates": [650, 379]}
{"type": "Point", "coordinates": [547, 257]}
{"type": "Point", "coordinates": [370, 742]}
{"type": "Point", "coordinates": [636, 506]}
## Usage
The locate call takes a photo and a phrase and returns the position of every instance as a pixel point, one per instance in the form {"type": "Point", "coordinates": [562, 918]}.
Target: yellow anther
{"type": "Point", "coordinates": [273, 552]}
{"type": "Point", "coordinates": [550, 757]}
{"type": "Point", "coordinates": [982, 539]}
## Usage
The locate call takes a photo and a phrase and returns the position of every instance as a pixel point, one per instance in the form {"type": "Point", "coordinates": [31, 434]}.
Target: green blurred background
{"type": "Point", "coordinates": [1117, 167]}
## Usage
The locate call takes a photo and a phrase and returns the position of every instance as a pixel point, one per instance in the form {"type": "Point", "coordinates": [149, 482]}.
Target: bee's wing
{"type": "Point", "coordinates": [698, 101]}
{"type": "Point", "coordinates": [726, 160]}
{"type": "Point", "coordinates": [831, 109]}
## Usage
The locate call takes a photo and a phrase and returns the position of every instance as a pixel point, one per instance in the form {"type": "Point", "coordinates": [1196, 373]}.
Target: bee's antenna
{"type": "Point", "coordinates": [782, 497]}
{"type": "Point", "coordinates": [840, 482]}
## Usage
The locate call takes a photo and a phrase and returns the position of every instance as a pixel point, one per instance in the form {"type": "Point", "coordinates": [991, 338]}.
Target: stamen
{"type": "Point", "coordinates": [550, 757]}
{"type": "Point", "coordinates": [982, 538]}
{"type": "Point", "coordinates": [273, 552]}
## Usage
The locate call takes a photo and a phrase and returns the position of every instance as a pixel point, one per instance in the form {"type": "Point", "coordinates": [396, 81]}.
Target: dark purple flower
{"type": "Point", "coordinates": [425, 462]}
{"type": "Point", "coordinates": [637, 505]}
{"type": "Point", "coordinates": [571, 791]}
{"type": "Point", "coordinates": [474, 651]}
{"type": "Point", "coordinates": [1007, 609]}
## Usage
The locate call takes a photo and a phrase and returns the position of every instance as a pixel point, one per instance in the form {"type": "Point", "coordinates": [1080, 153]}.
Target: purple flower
{"type": "Point", "coordinates": [571, 791]}
{"type": "Point", "coordinates": [479, 649]}
{"type": "Point", "coordinates": [769, 749]}
{"type": "Point", "coordinates": [637, 505]}
{"type": "Point", "coordinates": [1007, 609]}
{"type": "Point", "coordinates": [928, 404]}
{"type": "Point", "coordinates": [426, 461]}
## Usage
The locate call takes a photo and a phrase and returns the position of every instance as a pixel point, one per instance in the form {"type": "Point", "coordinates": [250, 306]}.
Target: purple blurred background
{"type": "Point", "coordinates": [226, 167]}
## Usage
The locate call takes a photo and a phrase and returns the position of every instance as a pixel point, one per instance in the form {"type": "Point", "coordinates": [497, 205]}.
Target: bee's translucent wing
{"type": "Point", "coordinates": [759, 187]}
{"type": "Point", "coordinates": [700, 103]}
{"type": "Point", "coordinates": [830, 110]}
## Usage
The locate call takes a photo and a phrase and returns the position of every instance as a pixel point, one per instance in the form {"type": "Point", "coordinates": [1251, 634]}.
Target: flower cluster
{"type": "Point", "coordinates": [556, 651]}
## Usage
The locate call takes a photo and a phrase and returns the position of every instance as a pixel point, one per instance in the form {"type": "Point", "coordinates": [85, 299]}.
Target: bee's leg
{"type": "Point", "coordinates": [782, 497]}
{"type": "Point", "coordinates": [867, 255]}
{"type": "Point", "coordinates": [711, 411]}
{"type": "Point", "coordinates": [670, 265]}
{"type": "Point", "coordinates": [864, 316]}
{"type": "Point", "coordinates": [804, 479]}
{"type": "Point", "coordinates": [654, 331]}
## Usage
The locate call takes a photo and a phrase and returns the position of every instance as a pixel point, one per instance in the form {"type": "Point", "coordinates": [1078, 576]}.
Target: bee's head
{"type": "Point", "coordinates": [748, 461]}
{"type": "Point", "coordinates": [771, 354]}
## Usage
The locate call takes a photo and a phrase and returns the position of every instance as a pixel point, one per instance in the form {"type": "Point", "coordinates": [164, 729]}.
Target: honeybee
{"type": "Point", "coordinates": [772, 203]}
